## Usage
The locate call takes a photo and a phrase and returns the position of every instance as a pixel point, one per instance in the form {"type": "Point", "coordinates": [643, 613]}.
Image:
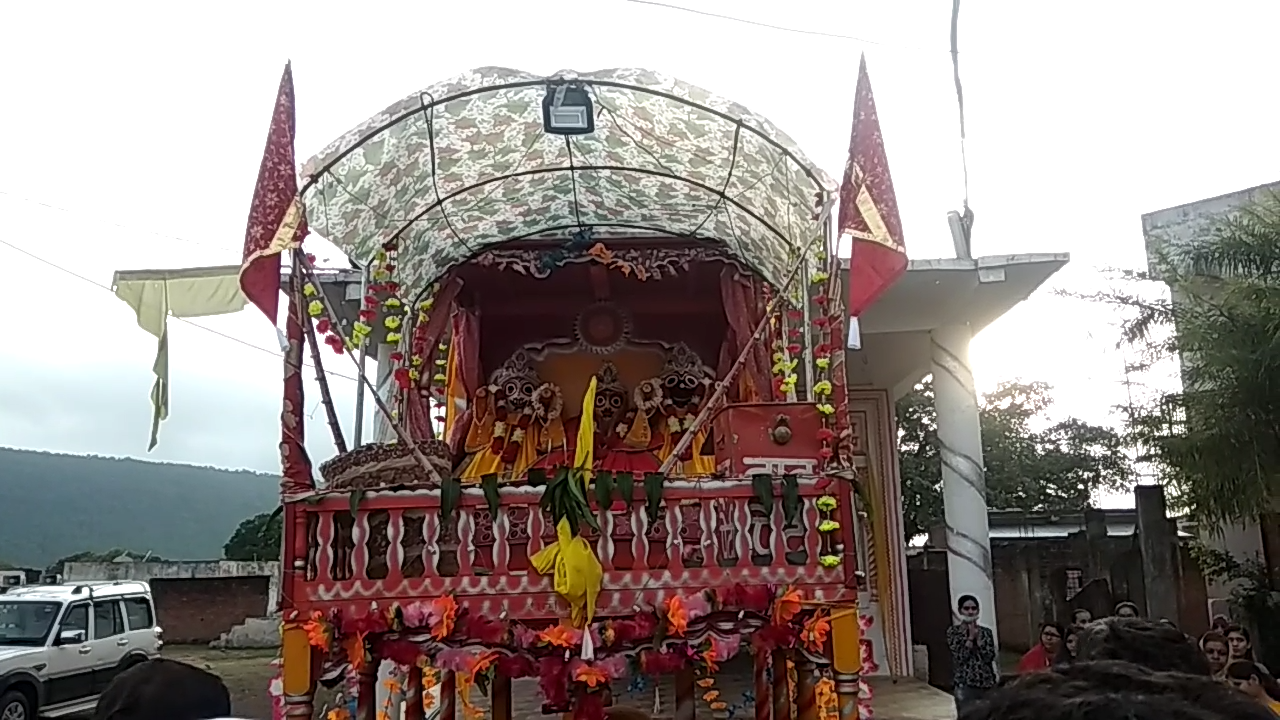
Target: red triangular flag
{"type": "Point", "coordinates": [277, 221]}
{"type": "Point", "coordinates": [868, 208]}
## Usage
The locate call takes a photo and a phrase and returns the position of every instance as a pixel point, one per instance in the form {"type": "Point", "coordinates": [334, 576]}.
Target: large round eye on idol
{"type": "Point", "coordinates": [615, 401]}
{"type": "Point", "coordinates": [689, 381]}
{"type": "Point", "coordinates": [511, 388]}
{"type": "Point", "coordinates": [527, 389]}
{"type": "Point", "coordinates": [670, 380]}
{"type": "Point", "coordinates": [601, 400]}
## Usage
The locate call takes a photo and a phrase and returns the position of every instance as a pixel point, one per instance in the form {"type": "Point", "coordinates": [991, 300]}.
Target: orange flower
{"type": "Point", "coordinates": [318, 635]}
{"type": "Point", "coordinates": [590, 675]}
{"type": "Point", "coordinates": [355, 651]}
{"type": "Point", "coordinates": [392, 685]}
{"type": "Point", "coordinates": [785, 606]}
{"type": "Point", "coordinates": [446, 610]}
{"type": "Point", "coordinates": [709, 656]}
{"type": "Point", "coordinates": [677, 615]}
{"type": "Point", "coordinates": [706, 682]}
{"type": "Point", "coordinates": [815, 632]}
{"type": "Point", "coordinates": [558, 636]}
{"type": "Point", "coordinates": [339, 713]}
{"type": "Point", "coordinates": [711, 695]}
{"type": "Point", "coordinates": [719, 705]}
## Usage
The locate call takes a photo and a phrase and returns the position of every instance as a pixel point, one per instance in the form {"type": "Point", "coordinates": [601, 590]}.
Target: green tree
{"type": "Point", "coordinates": [257, 538]}
{"type": "Point", "coordinates": [1057, 469]}
{"type": "Point", "coordinates": [1215, 442]}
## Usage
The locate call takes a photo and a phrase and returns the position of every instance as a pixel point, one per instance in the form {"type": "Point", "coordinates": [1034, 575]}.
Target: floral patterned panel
{"type": "Point", "coordinates": [465, 164]}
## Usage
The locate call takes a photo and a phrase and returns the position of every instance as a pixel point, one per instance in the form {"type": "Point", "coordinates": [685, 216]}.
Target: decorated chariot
{"type": "Point", "coordinates": [613, 433]}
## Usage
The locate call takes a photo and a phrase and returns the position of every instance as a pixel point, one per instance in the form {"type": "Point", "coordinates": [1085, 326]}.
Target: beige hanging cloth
{"type": "Point", "coordinates": [190, 293]}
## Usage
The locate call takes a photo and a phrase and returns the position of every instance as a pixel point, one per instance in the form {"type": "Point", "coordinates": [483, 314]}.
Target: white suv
{"type": "Point", "coordinates": [61, 645]}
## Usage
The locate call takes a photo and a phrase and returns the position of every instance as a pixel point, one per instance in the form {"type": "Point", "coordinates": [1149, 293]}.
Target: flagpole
{"type": "Point", "coordinates": [358, 432]}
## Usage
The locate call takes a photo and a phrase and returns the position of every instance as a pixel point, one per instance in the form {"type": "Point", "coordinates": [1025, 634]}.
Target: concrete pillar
{"type": "Point", "coordinates": [1158, 543]}
{"type": "Point", "coordinates": [382, 430]}
{"type": "Point", "coordinates": [964, 483]}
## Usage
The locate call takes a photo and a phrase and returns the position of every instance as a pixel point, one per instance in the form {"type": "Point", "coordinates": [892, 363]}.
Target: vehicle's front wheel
{"type": "Point", "coordinates": [15, 706]}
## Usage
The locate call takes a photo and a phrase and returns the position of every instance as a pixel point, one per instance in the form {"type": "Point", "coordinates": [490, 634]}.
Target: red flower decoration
{"type": "Point", "coordinates": [825, 453]}
{"type": "Point", "coordinates": [373, 289]}
{"type": "Point", "coordinates": [825, 435]}
{"type": "Point", "coordinates": [794, 348]}
{"type": "Point", "coordinates": [368, 315]}
{"type": "Point", "coordinates": [389, 246]}
{"type": "Point", "coordinates": [311, 258]}
{"type": "Point", "coordinates": [821, 321]}
{"type": "Point", "coordinates": [322, 326]}
{"type": "Point", "coordinates": [371, 300]}
{"type": "Point", "coordinates": [397, 357]}
{"type": "Point", "coordinates": [821, 300]}
{"type": "Point", "coordinates": [823, 349]}
{"type": "Point", "coordinates": [793, 333]}
{"type": "Point", "coordinates": [795, 315]}
{"type": "Point", "coordinates": [334, 342]}
{"type": "Point", "coordinates": [393, 287]}
{"type": "Point", "coordinates": [402, 378]}
{"type": "Point", "coordinates": [389, 267]}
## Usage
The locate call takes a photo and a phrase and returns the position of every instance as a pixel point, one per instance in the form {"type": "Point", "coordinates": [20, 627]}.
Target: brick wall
{"type": "Point", "coordinates": [199, 610]}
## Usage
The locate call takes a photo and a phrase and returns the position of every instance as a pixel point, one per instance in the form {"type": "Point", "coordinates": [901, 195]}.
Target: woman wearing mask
{"type": "Point", "coordinates": [1042, 655]}
{"type": "Point", "coordinates": [1255, 682]}
{"type": "Point", "coordinates": [1214, 646]}
{"type": "Point", "coordinates": [973, 654]}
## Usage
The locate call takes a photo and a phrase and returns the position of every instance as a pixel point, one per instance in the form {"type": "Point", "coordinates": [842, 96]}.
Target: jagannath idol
{"type": "Point", "coordinates": [517, 421]}
{"type": "Point", "coordinates": [671, 402]}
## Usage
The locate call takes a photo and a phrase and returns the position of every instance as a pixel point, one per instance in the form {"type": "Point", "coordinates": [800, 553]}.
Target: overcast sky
{"type": "Point", "coordinates": [134, 132]}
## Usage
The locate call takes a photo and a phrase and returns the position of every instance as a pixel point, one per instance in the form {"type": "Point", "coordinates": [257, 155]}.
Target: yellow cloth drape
{"type": "Point", "coordinates": [154, 295]}
{"type": "Point", "coordinates": [577, 572]}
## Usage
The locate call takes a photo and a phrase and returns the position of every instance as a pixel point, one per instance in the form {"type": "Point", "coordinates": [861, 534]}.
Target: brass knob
{"type": "Point", "coordinates": [781, 430]}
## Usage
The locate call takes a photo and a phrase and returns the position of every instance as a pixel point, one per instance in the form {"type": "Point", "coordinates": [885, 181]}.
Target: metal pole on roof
{"type": "Point", "coordinates": [358, 434]}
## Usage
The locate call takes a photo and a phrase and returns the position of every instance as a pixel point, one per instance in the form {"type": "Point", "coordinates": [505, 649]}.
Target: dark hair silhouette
{"type": "Point", "coordinates": [1245, 669]}
{"type": "Point", "coordinates": [1113, 690]}
{"type": "Point", "coordinates": [967, 599]}
{"type": "Point", "coordinates": [1064, 655]}
{"type": "Point", "coordinates": [1153, 645]}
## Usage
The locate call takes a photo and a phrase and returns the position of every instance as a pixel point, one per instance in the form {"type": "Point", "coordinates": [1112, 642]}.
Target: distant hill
{"type": "Point", "coordinates": [55, 505]}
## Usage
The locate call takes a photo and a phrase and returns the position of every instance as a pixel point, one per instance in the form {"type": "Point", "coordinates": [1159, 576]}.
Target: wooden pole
{"type": "Point", "coordinates": [413, 692]}
{"type": "Point", "coordinates": [367, 691]}
{"type": "Point", "coordinates": [401, 433]}
{"type": "Point", "coordinates": [806, 692]}
{"type": "Point", "coordinates": [326, 398]}
{"type": "Point", "coordinates": [722, 386]}
{"type": "Point", "coordinates": [686, 695]}
{"type": "Point", "coordinates": [448, 695]}
{"type": "Point", "coordinates": [500, 697]}
{"type": "Point", "coordinates": [761, 682]}
{"type": "Point", "coordinates": [781, 686]}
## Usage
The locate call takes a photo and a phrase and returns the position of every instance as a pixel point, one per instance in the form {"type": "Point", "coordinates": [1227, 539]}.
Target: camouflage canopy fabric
{"type": "Point", "coordinates": [465, 164]}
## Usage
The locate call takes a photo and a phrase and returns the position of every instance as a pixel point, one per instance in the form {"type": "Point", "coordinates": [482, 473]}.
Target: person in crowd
{"type": "Point", "coordinates": [1214, 646]}
{"type": "Point", "coordinates": [1153, 645]}
{"type": "Point", "coordinates": [1114, 690]}
{"type": "Point", "coordinates": [1070, 644]}
{"type": "Point", "coordinates": [1126, 609]}
{"type": "Point", "coordinates": [1240, 643]}
{"type": "Point", "coordinates": [973, 654]}
{"type": "Point", "coordinates": [1081, 617]}
{"type": "Point", "coordinates": [1042, 655]}
{"type": "Point", "coordinates": [1256, 682]}
{"type": "Point", "coordinates": [1220, 624]}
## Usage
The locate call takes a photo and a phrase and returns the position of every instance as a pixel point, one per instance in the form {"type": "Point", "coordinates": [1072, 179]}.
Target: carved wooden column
{"type": "Point", "coordinates": [367, 691]}
{"type": "Point", "coordinates": [448, 695]}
